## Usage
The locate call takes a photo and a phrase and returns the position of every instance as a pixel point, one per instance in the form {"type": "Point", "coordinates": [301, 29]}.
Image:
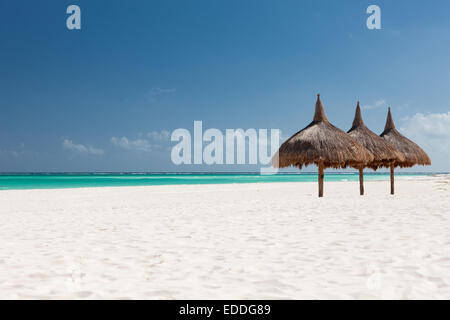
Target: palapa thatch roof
{"type": "Point", "coordinates": [321, 142]}
{"type": "Point", "coordinates": [384, 153]}
{"type": "Point", "coordinates": [412, 152]}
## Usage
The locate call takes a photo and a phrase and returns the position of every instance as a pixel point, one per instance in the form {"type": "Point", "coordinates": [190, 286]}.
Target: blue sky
{"type": "Point", "coordinates": [105, 97]}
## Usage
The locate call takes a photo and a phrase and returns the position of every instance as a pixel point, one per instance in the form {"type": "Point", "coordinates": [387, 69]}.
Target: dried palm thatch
{"type": "Point", "coordinates": [322, 144]}
{"type": "Point", "coordinates": [412, 152]}
{"type": "Point", "coordinates": [384, 153]}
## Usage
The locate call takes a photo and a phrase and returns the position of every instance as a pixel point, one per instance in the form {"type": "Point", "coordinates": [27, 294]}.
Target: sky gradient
{"type": "Point", "coordinates": [107, 97]}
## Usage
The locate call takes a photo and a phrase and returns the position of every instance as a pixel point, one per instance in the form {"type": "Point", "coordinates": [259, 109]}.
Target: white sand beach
{"type": "Point", "coordinates": [241, 241]}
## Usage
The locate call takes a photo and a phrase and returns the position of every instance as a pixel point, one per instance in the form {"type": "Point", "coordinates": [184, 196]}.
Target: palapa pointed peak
{"type": "Point", "coordinates": [358, 121]}
{"type": "Point", "coordinates": [319, 114]}
{"type": "Point", "coordinates": [389, 122]}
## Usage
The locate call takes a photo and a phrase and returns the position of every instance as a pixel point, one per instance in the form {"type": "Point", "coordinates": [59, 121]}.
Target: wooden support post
{"type": "Point", "coordinates": [392, 179]}
{"type": "Point", "coordinates": [361, 181]}
{"type": "Point", "coordinates": [321, 174]}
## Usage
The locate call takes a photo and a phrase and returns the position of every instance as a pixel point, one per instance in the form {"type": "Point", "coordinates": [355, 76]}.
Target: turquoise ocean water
{"type": "Point", "coordinates": [67, 180]}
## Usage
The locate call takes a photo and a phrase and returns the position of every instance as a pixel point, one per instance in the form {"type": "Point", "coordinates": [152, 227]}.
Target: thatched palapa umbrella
{"type": "Point", "coordinates": [324, 145]}
{"type": "Point", "coordinates": [412, 152]}
{"type": "Point", "coordinates": [384, 153]}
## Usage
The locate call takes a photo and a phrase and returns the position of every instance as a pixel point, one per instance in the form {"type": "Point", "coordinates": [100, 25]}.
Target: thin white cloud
{"type": "Point", "coordinates": [431, 126]}
{"type": "Point", "coordinates": [9, 152]}
{"type": "Point", "coordinates": [163, 135]}
{"type": "Point", "coordinates": [160, 91]}
{"type": "Point", "coordinates": [69, 145]}
{"type": "Point", "coordinates": [152, 140]}
{"type": "Point", "coordinates": [377, 104]}
{"type": "Point", "coordinates": [125, 143]}
{"type": "Point", "coordinates": [18, 151]}
{"type": "Point", "coordinates": [432, 133]}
